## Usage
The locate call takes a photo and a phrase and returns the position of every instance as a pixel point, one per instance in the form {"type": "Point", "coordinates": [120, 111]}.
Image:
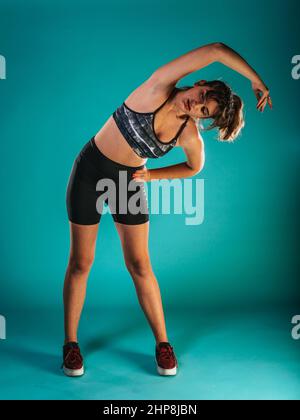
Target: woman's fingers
{"type": "Point", "coordinates": [263, 102]}
{"type": "Point", "coordinates": [267, 101]}
{"type": "Point", "coordinates": [259, 104]}
{"type": "Point", "coordinates": [264, 105]}
{"type": "Point", "coordinates": [262, 99]}
{"type": "Point", "coordinates": [262, 94]}
{"type": "Point", "coordinates": [270, 102]}
{"type": "Point", "coordinates": [139, 175]}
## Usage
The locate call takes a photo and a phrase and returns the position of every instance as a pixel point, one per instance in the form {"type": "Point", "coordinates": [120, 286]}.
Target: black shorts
{"type": "Point", "coordinates": [85, 199]}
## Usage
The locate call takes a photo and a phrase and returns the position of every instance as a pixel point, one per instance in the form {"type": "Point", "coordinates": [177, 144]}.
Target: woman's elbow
{"type": "Point", "coordinates": [219, 48]}
{"type": "Point", "coordinates": [198, 169]}
{"type": "Point", "coordinates": [219, 45]}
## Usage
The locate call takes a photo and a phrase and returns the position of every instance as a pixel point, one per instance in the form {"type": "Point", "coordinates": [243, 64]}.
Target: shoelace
{"type": "Point", "coordinates": [73, 356]}
{"type": "Point", "coordinates": [166, 352]}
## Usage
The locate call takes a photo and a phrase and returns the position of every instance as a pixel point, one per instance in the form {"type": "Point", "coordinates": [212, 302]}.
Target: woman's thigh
{"type": "Point", "coordinates": [82, 244]}
{"type": "Point", "coordinates": [134, 240]}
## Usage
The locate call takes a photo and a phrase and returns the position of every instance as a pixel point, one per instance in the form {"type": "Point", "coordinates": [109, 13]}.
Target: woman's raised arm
{"type": "Point", "coordinates": [171, 72]}
{"type": "Point", "coordinates": [198, 58]}
{"type": "Point", "coordinates": [233, 60]}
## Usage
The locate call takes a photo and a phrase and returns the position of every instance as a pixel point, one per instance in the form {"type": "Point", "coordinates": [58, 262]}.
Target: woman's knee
{"type": "Point", "coordinates": [140, 266]}
{"type": "Point", "coordinates": [81, 264]}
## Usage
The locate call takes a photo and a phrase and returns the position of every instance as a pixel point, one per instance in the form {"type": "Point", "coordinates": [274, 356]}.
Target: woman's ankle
{"type": "Point", "coordinates": [70, 340]}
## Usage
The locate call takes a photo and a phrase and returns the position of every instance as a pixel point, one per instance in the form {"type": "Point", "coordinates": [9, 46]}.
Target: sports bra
{"type": "Point", "coordinates": [138, 130]}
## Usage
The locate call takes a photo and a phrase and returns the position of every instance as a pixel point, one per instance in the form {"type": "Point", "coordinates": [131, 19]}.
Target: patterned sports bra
{"type": "Point", "coordinates": [138, 130]}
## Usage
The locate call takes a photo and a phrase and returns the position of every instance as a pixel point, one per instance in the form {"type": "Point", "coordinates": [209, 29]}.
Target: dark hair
{"type": "Point", "coordinates": [229, 116]}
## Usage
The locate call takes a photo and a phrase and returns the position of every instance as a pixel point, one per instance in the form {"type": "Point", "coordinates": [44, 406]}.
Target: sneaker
{"type": "Point", "coordinates": [166, 361]}
{"type": "Point", "coordinates": [73, 361]}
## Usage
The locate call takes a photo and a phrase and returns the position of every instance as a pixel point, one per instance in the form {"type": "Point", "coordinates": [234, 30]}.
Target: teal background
{"type": "Point", "coordinates": [69, 65]}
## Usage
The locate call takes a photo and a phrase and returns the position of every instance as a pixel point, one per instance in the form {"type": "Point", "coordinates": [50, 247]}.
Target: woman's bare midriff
{"type": "Point", "coordinates": [112, 144]}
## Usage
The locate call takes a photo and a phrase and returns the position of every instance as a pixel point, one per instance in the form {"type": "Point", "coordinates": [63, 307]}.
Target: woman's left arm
{"type": "Point", "coordinates": [170, 73]}
{"type": "Point", "coordinates": [233, 60]}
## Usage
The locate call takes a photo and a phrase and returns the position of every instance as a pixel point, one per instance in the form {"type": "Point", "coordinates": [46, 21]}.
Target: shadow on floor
{"type": "Point", "coordinates": [47, 362]}
{"type": "Point", "coordinates": [143, 361]}
{"type": "Point", "coordinates": [194, 325]}
{"type": "Point", "coordinates": [106, 338]}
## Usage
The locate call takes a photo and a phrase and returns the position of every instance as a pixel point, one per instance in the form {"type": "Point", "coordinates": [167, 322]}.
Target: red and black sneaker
{"type": "Point", "coordinates": [73, 361]}
{"type": "Point", "coordinates": [166, 361]}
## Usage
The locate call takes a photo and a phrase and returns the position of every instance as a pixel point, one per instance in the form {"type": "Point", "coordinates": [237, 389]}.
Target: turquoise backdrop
{"type": "Point", "coordinates": [69, 64]}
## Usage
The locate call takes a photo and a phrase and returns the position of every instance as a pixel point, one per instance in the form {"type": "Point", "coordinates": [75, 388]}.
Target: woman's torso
{"type": "Point", "coordinates": [145, 98]}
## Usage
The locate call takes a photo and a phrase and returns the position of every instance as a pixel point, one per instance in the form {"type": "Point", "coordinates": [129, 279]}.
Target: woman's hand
{"type": "Point", "coordinates": [262, 94]}
{"type": "Point", "coordinates": [142, 175]}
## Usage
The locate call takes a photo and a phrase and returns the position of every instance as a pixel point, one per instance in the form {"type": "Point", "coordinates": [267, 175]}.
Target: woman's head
{"type": "Point", "coordinates": [215, 100]}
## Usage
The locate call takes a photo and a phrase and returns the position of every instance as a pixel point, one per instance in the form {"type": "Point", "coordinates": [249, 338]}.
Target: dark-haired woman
{"type": "Point", "coordinates": [153, 119]}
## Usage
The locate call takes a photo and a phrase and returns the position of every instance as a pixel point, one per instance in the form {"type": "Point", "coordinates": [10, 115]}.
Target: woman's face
{"type": "Point", "coordinates": [195, 103]}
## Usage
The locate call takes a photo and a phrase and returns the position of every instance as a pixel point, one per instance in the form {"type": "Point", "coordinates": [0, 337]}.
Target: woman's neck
{"type": "Point", "coordinates": [173, 105]}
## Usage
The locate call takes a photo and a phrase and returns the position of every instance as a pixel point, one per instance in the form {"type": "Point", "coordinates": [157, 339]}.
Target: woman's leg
{"type": "Point", "coordinates": [134, 241]}
{"type": "Point", "coordinates": [82, 251]}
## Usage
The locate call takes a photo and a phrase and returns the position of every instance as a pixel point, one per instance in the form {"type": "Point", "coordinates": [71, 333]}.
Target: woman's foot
{"type": "Point", "coordinates": [73, 360]}
{"type": "Point", "coordinates": [166, 361]}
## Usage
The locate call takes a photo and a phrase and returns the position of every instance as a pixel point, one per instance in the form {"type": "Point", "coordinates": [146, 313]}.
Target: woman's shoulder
{"type": "Point", "coordinates": [148, 96]}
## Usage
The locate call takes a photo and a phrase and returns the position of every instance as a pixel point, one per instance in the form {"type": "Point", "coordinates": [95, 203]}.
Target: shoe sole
{"type": "Point", "coordinates": [73, 372]}
{"type": "Point", "coordinates": [166, 372]}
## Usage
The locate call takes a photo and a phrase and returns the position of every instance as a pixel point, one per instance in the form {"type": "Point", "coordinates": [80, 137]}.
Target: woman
{"type": "Point", "coordinates": [129, 137]}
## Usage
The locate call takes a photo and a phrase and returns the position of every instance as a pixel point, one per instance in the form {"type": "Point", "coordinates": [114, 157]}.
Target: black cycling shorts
{"type": "Point", "coordinates": [85, 199]}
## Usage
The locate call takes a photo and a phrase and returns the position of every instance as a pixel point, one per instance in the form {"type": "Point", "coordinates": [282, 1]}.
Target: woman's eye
{"type": "Point", "coordinates": [205, 111]}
